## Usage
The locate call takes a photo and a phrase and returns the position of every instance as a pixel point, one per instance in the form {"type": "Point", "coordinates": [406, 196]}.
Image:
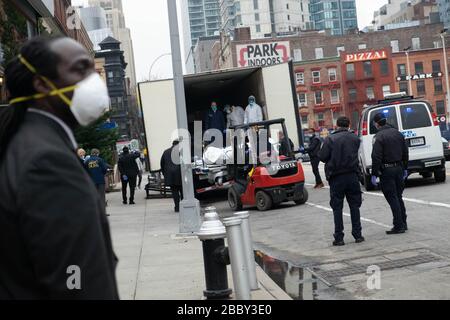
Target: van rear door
{"type": "Point", "coordinates": [417, 125]}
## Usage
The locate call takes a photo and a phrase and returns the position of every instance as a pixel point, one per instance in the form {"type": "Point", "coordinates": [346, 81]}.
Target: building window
{"type": "Point", "coordinates": [256, 16]}
{"type": "Point", "coordinates": [334, 96]}
{"type": "Point", "coordinates": [300, 78]}
{"type": "Point", "coordinates": [305, 122]}
{"type": "Point", "coordinates": [255, 4]}
{"type": "Point", "coordinates": [421, 87]}
{"type": "Point", "coordinates": [395, 46]}
{"type": "Point", "coordinates": [298, 55]}
{"type": "Point", "coordinates": [320, 118]}
{"type": "Point", "coordinates": [418, 66]}
{"type": "Point", "coordinates": [318, 97]}
{"type": "Point", "coordinates": [316, 76]}
{"type": "Point", "coordinates": [110, 74]}
{"type": "Point", "coordinates": [258, 28]}
{"type": "Point", "coordinates": [362, 46]}
{"type": "Point", "coordinates": [368, 69]}
{"type": "Point", "coordinates": [352, 94]}
{"type": "Point", "coordinates": [440, 108]}
{"type": "Point", "coordinates": [384, 67]}
{"type": "Point", "coordinates": [436, 66]}
{"type": "Point", "coordinates": [332, 75]}
{"type": "Point", "coordinates": [386, 90]}
{"type": "Point", "coordinates": [289, 17]}
{"type": "Point", "coordinates": [404, 87]}
{"type": "Point", "coordinates": [287, 6]}
{"type": "Point", "coordinates": [319, 53]}
{"type": "Point", "coordinates": [401, 69]}
{"type": "Point", "coordinates": [438, 86]}
{"type": "Point", "coordinates": [415, 43]}
{"type": "Point", "coordinates": [339, 50]}
{"type": "Point", "coordinates": [302, 99]}
{"type": "Point", "coordinates": [350, 71]}
{"type": "Point", "coordinates": [370, 93]}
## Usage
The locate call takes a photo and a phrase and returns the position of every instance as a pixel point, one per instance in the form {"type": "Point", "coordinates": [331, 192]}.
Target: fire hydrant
{"type": "Point", "coordinates": [215, 256]}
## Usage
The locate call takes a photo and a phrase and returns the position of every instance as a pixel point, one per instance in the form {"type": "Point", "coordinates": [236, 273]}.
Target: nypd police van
{"type": "Point", "coordinates": [415, 119]}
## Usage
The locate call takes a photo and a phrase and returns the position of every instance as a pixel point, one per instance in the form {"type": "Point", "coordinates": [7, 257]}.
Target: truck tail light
{"type": "Point", "coordinates": [435, 120]}
{"type": "Point", "coordinates": [365, 130]}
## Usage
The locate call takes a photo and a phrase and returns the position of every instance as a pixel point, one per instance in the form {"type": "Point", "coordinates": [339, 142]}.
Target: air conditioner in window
{"type": "Point", "coordinates": [302, 104]}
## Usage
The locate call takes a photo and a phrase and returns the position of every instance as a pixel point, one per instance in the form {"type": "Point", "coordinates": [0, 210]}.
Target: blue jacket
{"type": "Point", "coordinates": [215, 120]}
{"type": "Point", "coordinates": [97, 169]}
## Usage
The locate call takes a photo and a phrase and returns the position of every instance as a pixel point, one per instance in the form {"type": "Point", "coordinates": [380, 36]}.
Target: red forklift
{"type": "Point", "coordinates": [267, 178]}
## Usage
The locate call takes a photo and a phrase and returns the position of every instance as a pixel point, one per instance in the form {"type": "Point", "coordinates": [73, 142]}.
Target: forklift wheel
{"type": "Point", "coordinates": [263, 201]}
{"type": "Point", "coordinates": [304, 199]}
{"type": "Point", "coordinates": [234, 199]}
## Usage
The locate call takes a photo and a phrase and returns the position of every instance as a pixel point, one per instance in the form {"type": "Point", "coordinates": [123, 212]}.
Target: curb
{"type": "Point", "coordinates": [270, 286]}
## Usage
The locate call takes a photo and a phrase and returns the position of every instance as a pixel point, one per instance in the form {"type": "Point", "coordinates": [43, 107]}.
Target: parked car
{"type": "Point", "coordinates": [415, 119]}
{"type": "Point", "coordinates": [446, 145]}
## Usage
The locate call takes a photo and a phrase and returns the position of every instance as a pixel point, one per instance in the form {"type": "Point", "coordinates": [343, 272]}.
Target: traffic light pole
{"type": "Point", "coordinates": [190, 220]}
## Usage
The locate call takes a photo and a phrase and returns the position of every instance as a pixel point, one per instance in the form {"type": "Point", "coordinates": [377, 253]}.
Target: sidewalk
{"type": "Point", "coordinates": [154, 264]}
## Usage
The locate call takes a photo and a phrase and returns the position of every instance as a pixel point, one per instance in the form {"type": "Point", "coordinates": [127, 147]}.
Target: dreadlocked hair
{"type": "Point", "coordinates": [19, 83]}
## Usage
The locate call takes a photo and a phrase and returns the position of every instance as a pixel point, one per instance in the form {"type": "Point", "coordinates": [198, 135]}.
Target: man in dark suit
{"type": "Point", "coordinates": [171, 169]}
{"type": "Point", "coordinates": [55, 240]}
{"type": "Point", "coordinates": [129, 171]}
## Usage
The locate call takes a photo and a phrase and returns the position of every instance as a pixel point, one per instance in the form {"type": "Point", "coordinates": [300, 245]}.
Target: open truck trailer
{"type": "Point", "coordinates": [272, 86]}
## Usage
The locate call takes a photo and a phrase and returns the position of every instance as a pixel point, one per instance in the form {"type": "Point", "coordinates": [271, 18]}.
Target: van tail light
{"type": "Point", "coordinates": [365, 130]}
{"type": "Point", "coordinates": [435, 120]}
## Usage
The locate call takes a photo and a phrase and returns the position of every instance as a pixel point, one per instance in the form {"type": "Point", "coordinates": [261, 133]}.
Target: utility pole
{"type": "Point", "coordinates": [190, 220]}
{"type": "Point", "coordinates": [409, 71]}
{"type": "Point", "coordinates": [443, 33]}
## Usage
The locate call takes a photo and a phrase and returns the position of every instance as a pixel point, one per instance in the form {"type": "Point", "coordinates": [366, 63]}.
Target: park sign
{"type": "Point", "coordinates": [421, 76]}
{"type": "Point", "coordinates": [263, 54]}
{"type": "Point", "coordinates": [366, 56]}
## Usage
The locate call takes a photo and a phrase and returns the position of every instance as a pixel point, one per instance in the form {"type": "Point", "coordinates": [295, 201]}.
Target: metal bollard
{"type": "Point", "coordinates": [215, 256]}
{"type": "Point", "coordinates": [248, 246]}
{"type": "Point", "coordinates": [237, 258]}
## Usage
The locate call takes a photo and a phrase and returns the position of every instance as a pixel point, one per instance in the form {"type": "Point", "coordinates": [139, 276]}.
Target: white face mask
{"type": "Point", "coordinates": [90, 100]}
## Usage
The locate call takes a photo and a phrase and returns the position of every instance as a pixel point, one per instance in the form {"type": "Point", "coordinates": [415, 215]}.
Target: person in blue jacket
{"type": "Point", "coordinates": [97, 169]}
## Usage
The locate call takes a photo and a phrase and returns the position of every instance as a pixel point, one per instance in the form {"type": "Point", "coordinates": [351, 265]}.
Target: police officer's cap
{"type": "Point", "coordinates": [380, 118]}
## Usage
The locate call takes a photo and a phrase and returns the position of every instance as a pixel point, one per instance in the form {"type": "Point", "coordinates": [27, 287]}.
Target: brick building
{"type": "Point", "coordinates": [319, 92]}
{"type": "Point", "coordinates": [427, 76]}
{"type": "Point", "coordinates": [368, 76]}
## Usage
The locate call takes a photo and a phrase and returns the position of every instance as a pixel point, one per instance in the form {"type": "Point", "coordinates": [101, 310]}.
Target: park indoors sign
{"type": "Point", "coordinates": [421, 76]}
{"type": "Point", "coordinates": [366, 56]}
{"type": "Point", "coordinates": [263, 54]}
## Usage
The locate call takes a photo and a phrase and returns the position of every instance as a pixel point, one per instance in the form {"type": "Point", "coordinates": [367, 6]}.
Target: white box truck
{"type": "Point", "coordinates": [273, 87]}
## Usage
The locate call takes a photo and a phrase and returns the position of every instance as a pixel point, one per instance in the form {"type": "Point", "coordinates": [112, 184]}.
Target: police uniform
{"type": "Point", "coordinates": [390, 158]}
{"type": "Point", "coordinates": [340, 155]}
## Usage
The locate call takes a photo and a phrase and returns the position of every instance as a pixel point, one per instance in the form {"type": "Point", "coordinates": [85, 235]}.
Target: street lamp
{"type": "Point", "coordinates": [443, 33]}
{"type": "Point", "coordinates": [154, 62]}
{"type": "Point", "coordinates": [409, 70]}
{"type": "Point", "coordinates": [190, 220]}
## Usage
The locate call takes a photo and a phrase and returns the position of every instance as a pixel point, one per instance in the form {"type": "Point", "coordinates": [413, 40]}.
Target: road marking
{"type": "Point", "coordinates": [417, 201]}
{"type": "Point", "coordinates": [347, 215]}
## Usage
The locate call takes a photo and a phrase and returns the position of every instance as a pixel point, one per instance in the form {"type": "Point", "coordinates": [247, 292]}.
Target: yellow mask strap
{"type": "Point", "coordinates": [55, 92]}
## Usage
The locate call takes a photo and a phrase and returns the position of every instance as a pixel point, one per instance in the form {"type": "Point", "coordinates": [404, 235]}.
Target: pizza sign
{"type": "Point", "coordinates": [263, 54]}
{"type": "Point", "coordinates": [366, 56]}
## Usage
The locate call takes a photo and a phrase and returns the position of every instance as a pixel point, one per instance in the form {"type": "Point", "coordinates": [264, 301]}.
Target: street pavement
{"type": "Point", "coordinates": [157, 264]}
{"type": "Point", "coordinates": [415, 265]}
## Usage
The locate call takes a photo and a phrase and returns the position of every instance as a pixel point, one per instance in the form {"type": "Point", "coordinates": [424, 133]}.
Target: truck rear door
{"type": "Point", "coordinates": [280, 99]}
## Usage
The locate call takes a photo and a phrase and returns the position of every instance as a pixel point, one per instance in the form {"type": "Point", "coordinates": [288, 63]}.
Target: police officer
{"type": "Point", "coordinates": [390, 158]}
{"type": "Point", "coordinates": [340, 155]}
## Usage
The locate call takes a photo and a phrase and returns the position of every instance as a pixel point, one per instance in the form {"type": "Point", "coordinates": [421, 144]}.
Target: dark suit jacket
{"type": "Point", "coordinates": [52, 220]}
{"type": "Point", "coordinates": [170, 170]}
{"type": "Point", "coordinates": [127, 164]}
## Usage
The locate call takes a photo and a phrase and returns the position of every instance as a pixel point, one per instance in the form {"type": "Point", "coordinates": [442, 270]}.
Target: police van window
{"type": "Point", "coordinates": [415, 116]}
{"type": "Point", "coordinates": [390, 114]}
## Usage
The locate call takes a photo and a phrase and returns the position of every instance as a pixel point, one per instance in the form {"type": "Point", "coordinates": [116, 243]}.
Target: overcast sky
{"type": "Point", "coordinates": [150, 31]}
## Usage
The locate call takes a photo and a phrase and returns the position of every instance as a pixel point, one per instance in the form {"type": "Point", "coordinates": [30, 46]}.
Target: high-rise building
{"type": "Point", "coordinates": [404, 13]}
{"type": "Point", "coordinates": [201, 18]}
{"type": "Point", "coordinates": [444, 12]}
{"type": "Point", "coordinates": [94, 20]}
{"type": "Point", "coordinates": [265, 17]}
{"type": "Point", "coordinates": [339, 16]}
{"type": "Point", "coordinates": [115, 20]}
